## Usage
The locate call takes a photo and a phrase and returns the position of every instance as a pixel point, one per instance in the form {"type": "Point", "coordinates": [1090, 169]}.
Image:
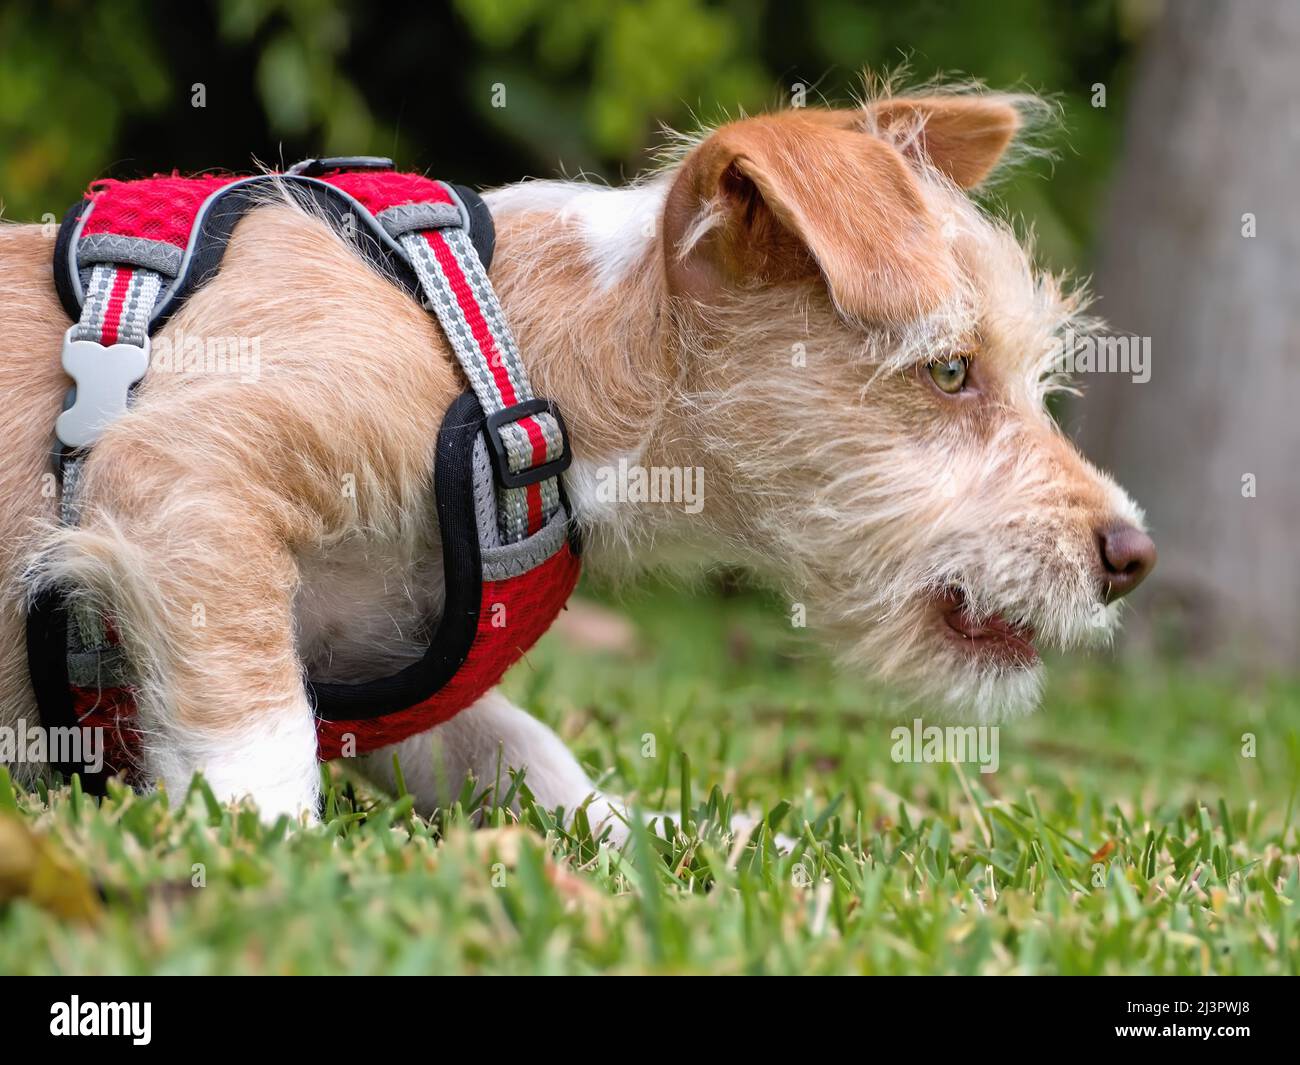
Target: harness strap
{"type": "Point", "coordinates": [526, 436]}
{"type": "Point", "coordinates": [529, 433]}
{"type": "Point", "coordinates": [118, 305]}
{"type": "Point", "coordinates": [106, 352]}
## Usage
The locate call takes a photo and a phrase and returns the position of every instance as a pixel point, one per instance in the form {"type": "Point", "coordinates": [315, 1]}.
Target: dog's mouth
{"type": "Point", "coordinates": [992, 638]}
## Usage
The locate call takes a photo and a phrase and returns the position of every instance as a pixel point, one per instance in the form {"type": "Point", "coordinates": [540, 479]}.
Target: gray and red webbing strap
{"type": "Point", "coordinates": [107, 351]}
{"type": "Point", "coordinates": [456, 288]}
{"type": "Point", "coordinates": [118, 304]}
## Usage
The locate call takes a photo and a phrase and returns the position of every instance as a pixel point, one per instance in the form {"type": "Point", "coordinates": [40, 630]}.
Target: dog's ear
{"type": "Point", "coordinates": [962, 136]}
{"type": "Point", "coordinates": [783, 197]}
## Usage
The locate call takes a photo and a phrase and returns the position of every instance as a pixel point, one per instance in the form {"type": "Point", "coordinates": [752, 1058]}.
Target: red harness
{"type": "Point", "coordinates": [130, 253]}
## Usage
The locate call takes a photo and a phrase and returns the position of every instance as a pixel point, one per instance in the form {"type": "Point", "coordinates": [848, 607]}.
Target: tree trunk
{"type": "Point", "coordinates": [1210, 445]}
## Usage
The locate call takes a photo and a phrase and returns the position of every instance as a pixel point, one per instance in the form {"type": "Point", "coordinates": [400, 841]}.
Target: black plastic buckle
{"type": "Point", "coordinates": [508, 478]}
{"type": "Point", "coordinates": [317, 167]}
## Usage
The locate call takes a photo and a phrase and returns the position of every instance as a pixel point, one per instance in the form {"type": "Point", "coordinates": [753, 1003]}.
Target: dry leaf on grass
{"type": "Point", "coordinates": [34, 868]}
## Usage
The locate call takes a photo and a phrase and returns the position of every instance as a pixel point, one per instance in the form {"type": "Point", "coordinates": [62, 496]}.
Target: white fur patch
{"type": "Point", "coordinates": [581, 481]}
{"type": "Point", "coordinates": [271, 760]}
{"type": "Point", "coordinates": [618, 225]}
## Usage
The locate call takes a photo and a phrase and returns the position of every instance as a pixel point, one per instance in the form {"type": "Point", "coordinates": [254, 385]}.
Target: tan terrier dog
{"type": "Point", "coordinates": [805, 306]}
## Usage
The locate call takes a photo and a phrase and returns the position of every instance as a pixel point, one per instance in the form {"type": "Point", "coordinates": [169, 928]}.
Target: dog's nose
{"type": "Point", "coordinates": [1127, 556]}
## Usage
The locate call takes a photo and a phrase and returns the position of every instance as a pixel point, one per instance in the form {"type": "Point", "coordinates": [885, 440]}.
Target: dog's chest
{"type": "Point", "coordinates": [367, 606]}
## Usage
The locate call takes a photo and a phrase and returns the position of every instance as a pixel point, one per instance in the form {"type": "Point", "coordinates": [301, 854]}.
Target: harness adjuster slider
{"type": "Point", "coordinates": [104, 377]}
{"type": "Point", "coordinates": [508, 478]}
{"type": "Point", "coordinates": [317, 167]}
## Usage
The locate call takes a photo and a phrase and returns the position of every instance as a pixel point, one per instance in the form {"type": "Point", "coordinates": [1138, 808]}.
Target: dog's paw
{"type": "Point", "coordinates": [743, 826]}
{"type": "Point", "coordinates": [604, 812]}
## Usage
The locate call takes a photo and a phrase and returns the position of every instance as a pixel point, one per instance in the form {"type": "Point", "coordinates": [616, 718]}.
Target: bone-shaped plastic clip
{"type": "Point", "coordinates": [104, 376]}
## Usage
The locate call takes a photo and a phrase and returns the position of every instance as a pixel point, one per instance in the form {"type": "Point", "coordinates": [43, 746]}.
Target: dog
{"type": "Point", "coordinates": [806, 306]}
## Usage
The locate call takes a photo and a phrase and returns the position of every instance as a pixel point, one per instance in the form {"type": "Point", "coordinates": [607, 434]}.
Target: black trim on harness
{"type": "Point", "coordinates": [62, 248]}
{"type": "Point", "coordinates": [508, 478]}
{"type": "Point", "coordinates": [482, 230]}
{"type": "Point", "coordinates": [47, 666]}
{"type": "Point", "coordinates": [453, 488]}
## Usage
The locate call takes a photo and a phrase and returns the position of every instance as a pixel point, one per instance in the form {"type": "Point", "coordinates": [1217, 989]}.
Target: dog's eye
{"type": "Point", "coordinates": [950, 374]}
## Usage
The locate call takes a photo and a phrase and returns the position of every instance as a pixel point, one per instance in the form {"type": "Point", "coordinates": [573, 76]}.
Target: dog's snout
{"type": "Point", "coordinates": [1127, 556]}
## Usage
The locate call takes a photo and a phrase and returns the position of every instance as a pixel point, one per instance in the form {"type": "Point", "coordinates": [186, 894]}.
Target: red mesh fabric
{"type": "Point", "coordinates": [156, 208]}
{"type": "Point", "coordinates": [163, 207]}
{"type": "Point", "coordinates": [378, 189]}
{"type": "Point", "coordinates": [112, 710]}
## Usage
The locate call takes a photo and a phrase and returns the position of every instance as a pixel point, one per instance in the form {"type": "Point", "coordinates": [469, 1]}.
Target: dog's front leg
{"type": "Point", "coordinates": [237, 711]}
{"type": "Point", "coordinates": [489, 741]}
{"type": "Point", "coordinates": [494, 738]}
{"type": "Point", "coordinates": [202, 595]}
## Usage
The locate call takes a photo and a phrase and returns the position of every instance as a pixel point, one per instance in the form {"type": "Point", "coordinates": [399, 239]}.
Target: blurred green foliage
{"type": "Point", "coordinates": [65, 85]}
{"type": "Point", "coordinates": [299, 79]}
{"type": "Point", "coordinates": [490, 90]}
{"type": "Point", "coordinates": [620, 66]}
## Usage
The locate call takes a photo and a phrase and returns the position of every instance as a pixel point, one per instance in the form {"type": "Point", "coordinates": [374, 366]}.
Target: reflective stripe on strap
{"type": "Point", "coordinates": [458, 291]}
{"type": "Point", "coordinates": [118, 303]}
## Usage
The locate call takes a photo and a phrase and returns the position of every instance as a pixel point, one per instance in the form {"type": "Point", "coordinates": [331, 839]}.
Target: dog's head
{"type": "Point", "coordinates": [866, 356]}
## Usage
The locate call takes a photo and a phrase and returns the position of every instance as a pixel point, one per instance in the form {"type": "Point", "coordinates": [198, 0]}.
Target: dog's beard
{"type": "Point", "coordinates": [1011, 563]}
{"type": "Point", "coordinates": [875, 527]}
{"type": "Point", "coordinates": [1033, 588]}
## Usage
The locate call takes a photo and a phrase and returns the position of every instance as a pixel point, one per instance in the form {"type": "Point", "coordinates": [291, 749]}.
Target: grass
{"type": "Point", "coordinates": [1125, 832]}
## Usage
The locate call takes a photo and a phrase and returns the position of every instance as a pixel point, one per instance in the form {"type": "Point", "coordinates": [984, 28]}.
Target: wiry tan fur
{"type": "Point", "coordinates": [763, 309]}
